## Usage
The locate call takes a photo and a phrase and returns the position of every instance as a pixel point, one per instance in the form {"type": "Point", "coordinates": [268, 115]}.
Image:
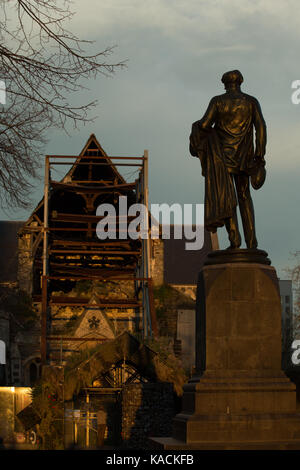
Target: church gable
{"type": "Point", "coordinates": [94, 323]}
{"type": "Point", "coordinates": [93, 164]}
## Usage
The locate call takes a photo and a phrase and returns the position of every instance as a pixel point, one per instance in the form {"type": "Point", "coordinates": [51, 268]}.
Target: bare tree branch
{"type": "Point", "coordinates": [42, 64]}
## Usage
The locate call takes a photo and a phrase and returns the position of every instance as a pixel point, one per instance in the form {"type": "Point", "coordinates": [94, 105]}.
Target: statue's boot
{"type": "Point", "coordinates": [232, 228]}
{"type": "Point", "coordinates": [248, 220]}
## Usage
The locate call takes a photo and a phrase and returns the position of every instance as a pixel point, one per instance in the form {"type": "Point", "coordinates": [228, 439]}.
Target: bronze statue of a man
{"type": "Point", "coordinates": [223, 140]}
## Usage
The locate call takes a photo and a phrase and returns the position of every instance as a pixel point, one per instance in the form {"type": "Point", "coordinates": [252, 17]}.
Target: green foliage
{"type": "Point", "coordinates": [163, 293]}
{"type": "Point", "coordinates": [83, 287]}
{"type": "Point", "coordinates": [87, 287]}
{"type": "Point", "coordinates": [47, 403]}
{"type": "Point", "coordinates": [71, 322]}
{"type": "Point", "coordinates": [19, 303]}
{"type": "Point", "coordinates": [168, 367]}
{"type": "Point", "coordinates": [79, 357]}
{"type": "Point", "coordinates": [167, 297]}
{"type": "Point", "coordinates": [155, 357]}
{"type": "Point", "coordinates": [80, 371]}
{"type": "Point", "coordinates": [163, 297]}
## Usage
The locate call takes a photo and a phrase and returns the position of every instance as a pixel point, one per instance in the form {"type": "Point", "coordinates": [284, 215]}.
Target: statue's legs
{"type": "Point", "coordinates": [246, 209]}
{"type": "Point", "coordinates": [232, 228]}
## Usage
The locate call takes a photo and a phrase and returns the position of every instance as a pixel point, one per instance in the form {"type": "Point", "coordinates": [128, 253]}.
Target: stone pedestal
{"type": "Point", "coordinates": [239, 398]}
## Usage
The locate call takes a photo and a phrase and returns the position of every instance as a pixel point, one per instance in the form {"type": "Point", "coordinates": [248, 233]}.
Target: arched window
{"type": "Point", "coordinates": [32, 371]}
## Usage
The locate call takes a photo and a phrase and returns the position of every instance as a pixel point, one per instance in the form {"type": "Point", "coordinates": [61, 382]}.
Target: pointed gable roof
{"type": "Point", "coordinates": [94, 322]}
{"type": "Point", "coordinates": [93, 153]}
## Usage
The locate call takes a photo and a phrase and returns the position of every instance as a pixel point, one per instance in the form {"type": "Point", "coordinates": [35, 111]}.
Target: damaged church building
{"type": "Point", "coordinates": [111, 322]}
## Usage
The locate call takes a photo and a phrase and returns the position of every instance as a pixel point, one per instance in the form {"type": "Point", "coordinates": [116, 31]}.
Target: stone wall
{"type": "Point", "coordinates": [25, 262]}
{"type": "Point", "coordinates": [147, 411]}
{"type": "Point", "coordinates": [168, 299]}
{"type": "Point", "coordinates": [157, 262]}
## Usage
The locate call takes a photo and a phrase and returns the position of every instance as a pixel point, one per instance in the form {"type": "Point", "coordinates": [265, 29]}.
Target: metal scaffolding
{"type": "Point", "coordinates": [124, 260]}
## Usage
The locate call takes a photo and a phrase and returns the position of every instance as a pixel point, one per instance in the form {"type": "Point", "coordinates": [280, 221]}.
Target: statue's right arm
{"type": "Point", "coordinates": [210, 115]}
{"type": "Point", "coordinates": [200, 128]}
{"type": "Point", "coordinates": [199, 134]}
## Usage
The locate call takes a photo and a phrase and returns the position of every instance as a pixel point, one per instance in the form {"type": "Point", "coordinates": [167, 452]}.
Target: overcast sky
{"type": "Point", "coordinates": [177, 51]}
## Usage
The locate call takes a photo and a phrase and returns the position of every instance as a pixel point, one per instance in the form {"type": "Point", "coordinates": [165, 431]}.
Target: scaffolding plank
{"type": "Point", "coordinates": [72, 338]}
{"type": "Point", "coordinates": [104, 305]}
{"type": "Point", "coordinates": [92, 189]}
{"type": "Point", "coordinates": [102, 272]}
{"type": "Point", "coordinates": [61, 299]}
{"type": "Point", "coordinates": [83, 218]}
{"type": "Point", "coordinates": [104, 157]}
{"type": "Point", "coordinates": [97, 252]}
{"type": "Point", "coordinates": [101, 243]}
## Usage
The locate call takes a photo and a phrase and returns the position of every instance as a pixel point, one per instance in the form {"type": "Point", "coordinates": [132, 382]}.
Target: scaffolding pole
{"type": "Point", "coordinates": [45, 265]}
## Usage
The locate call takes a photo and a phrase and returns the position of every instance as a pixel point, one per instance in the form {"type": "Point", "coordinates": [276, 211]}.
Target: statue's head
{"type": "Point", "coordinates": [233, 78]}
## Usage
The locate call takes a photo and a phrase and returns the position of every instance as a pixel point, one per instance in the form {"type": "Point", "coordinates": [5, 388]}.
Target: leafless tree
{"type": "Point", "coordinates": [42, 64]}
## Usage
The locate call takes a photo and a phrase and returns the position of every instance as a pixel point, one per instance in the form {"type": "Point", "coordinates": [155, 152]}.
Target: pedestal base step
{"type": "Point", "coordinates": [169, 443]}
